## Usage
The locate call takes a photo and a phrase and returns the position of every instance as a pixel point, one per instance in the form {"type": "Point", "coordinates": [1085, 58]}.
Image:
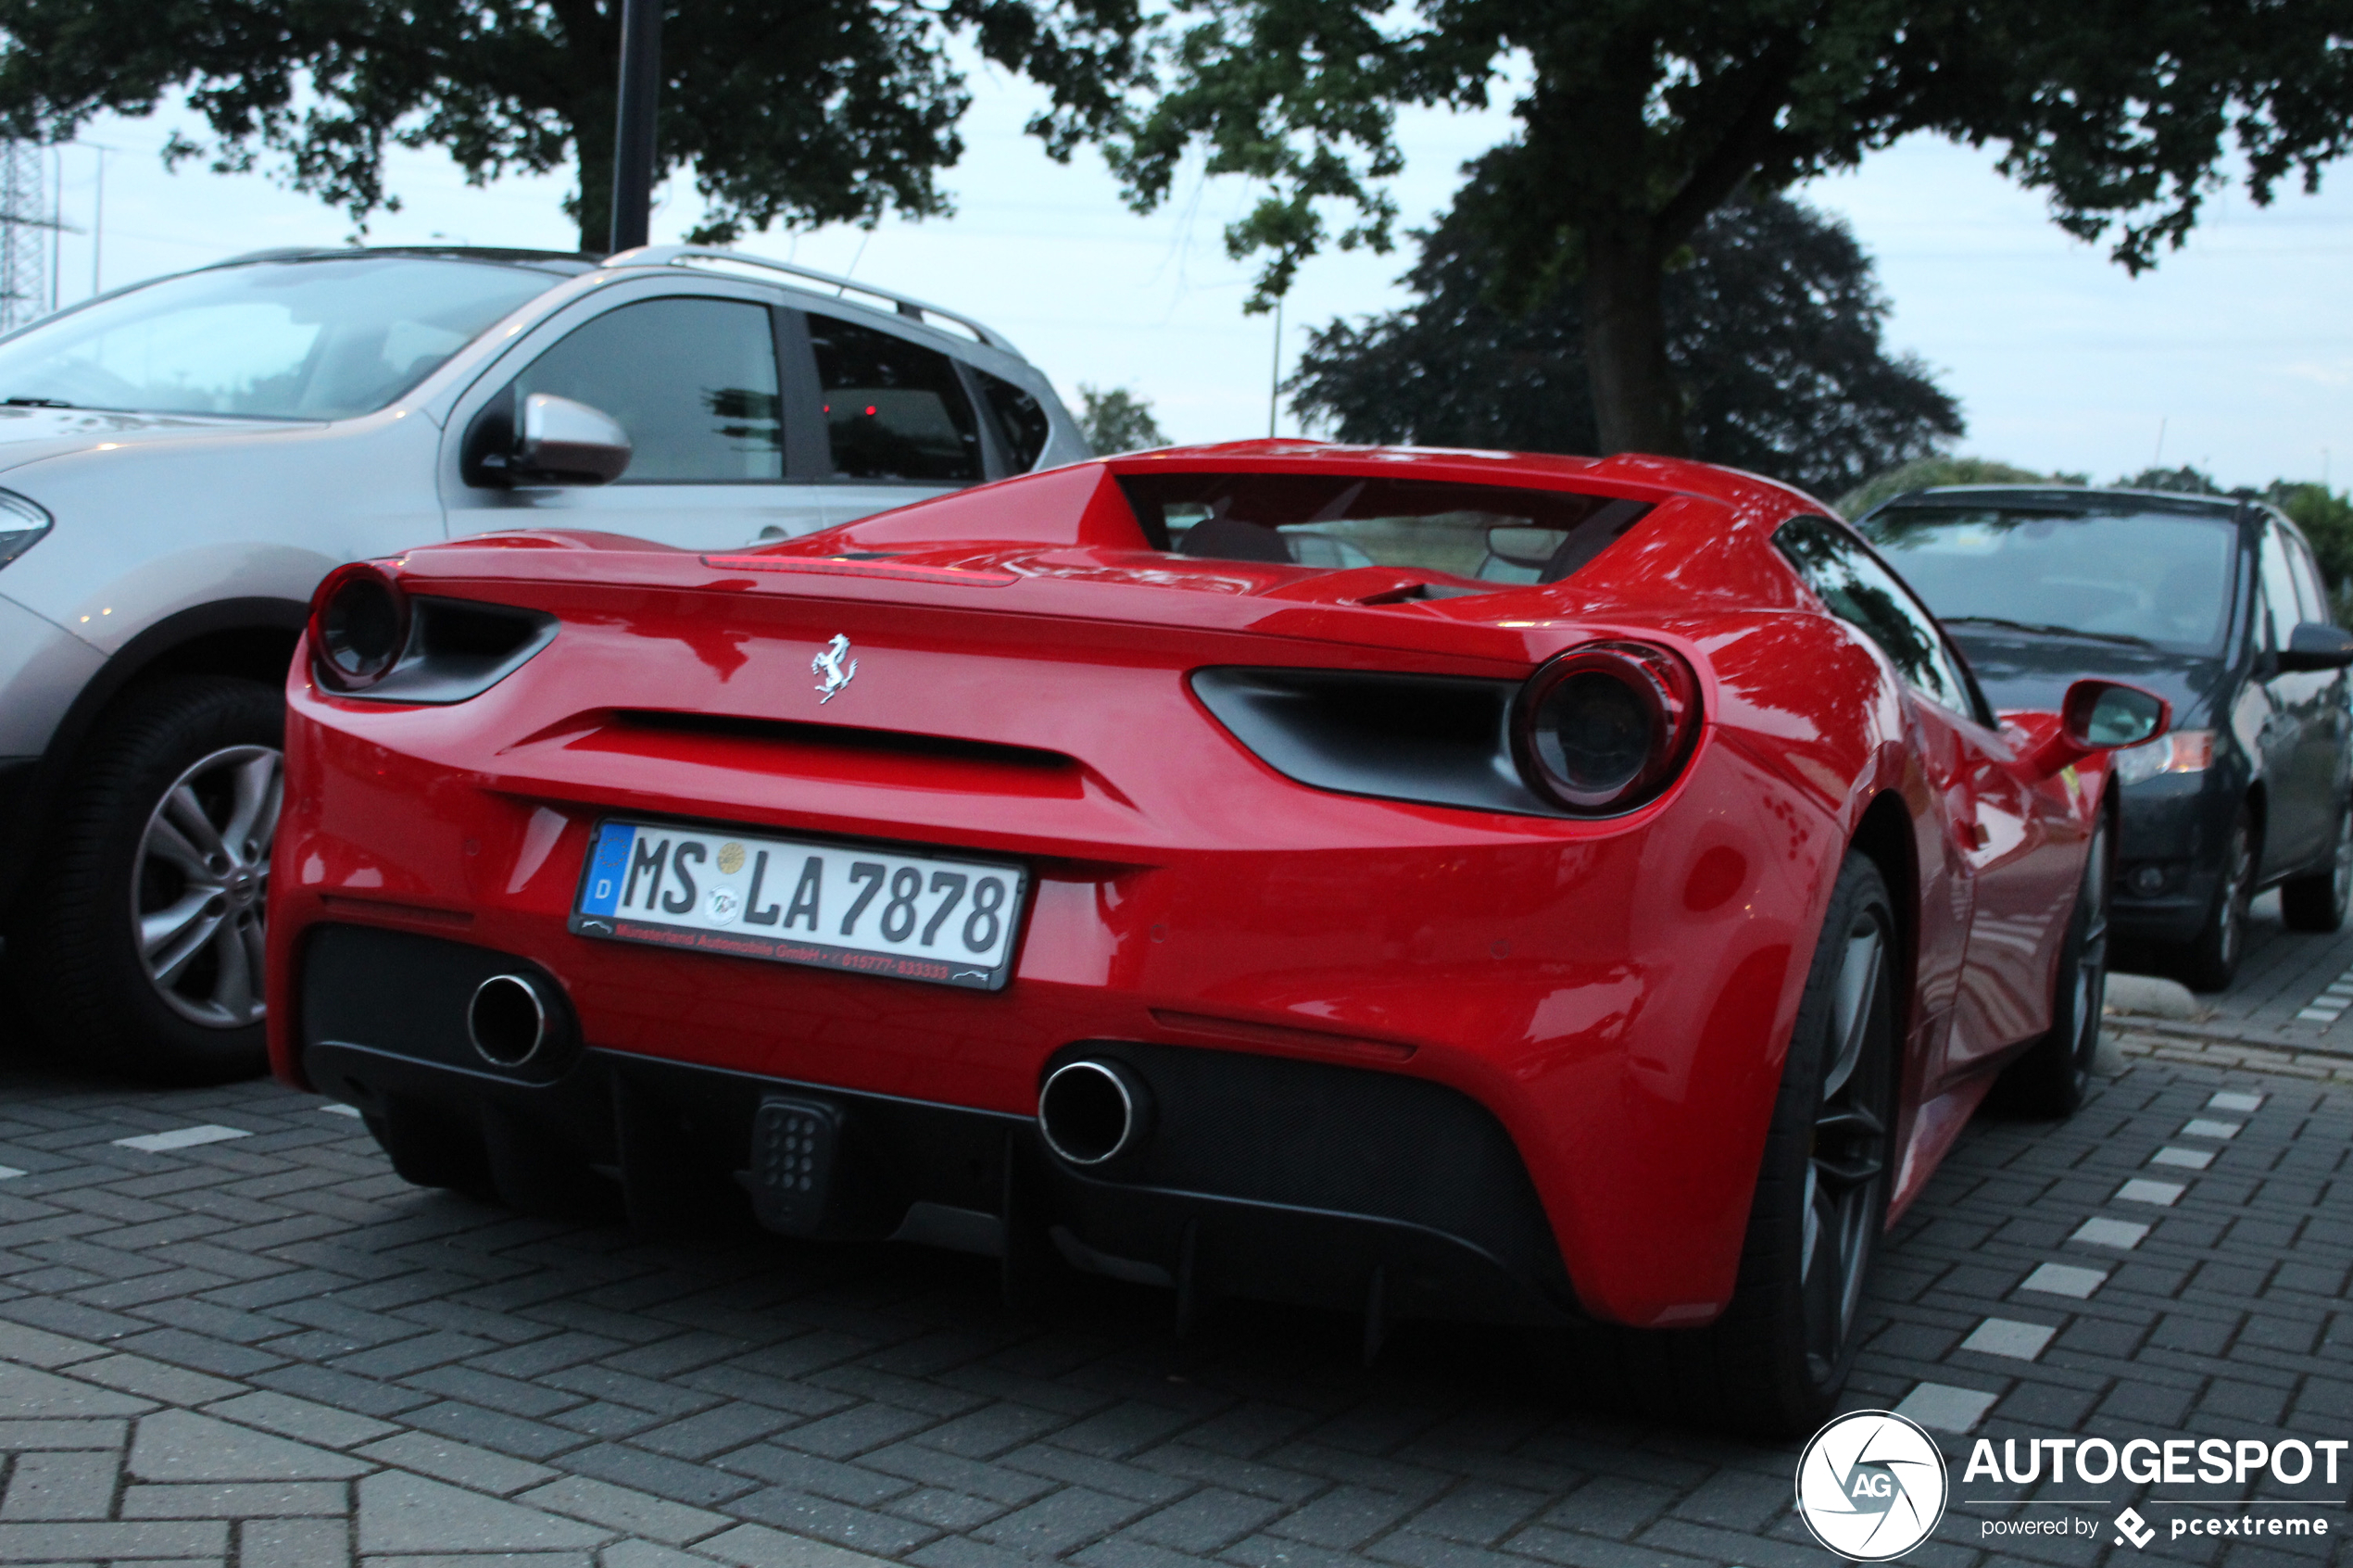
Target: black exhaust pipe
{"type": "Point", "coordinates": [1091, 1111]}
{"type": "Point", "coordinates": [507, 1020]}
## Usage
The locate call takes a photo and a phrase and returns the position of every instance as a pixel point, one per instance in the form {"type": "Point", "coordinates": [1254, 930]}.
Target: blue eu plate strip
{"type": "Point", "coordinates": [606, 869]}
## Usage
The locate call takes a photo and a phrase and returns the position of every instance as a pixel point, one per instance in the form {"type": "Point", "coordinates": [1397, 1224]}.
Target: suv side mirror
{"type": "Point", "coordinates": [2315, 644]}
{"type": "Point", "coordinates": [563, 442]}
{"type": "Point", "coordinates": [2102, 716]}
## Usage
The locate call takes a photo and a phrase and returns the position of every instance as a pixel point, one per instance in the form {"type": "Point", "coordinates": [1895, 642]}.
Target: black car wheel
{"type": "Point", "coordinates": [2210, 960]}
{"type": "Point", "coordinates": [2317, 900]}
{"type": "Point", "coordinates": [136, 944]}
{"type": "Point", "coordinates": [2055, 1074]}
{"type": "Point", "coordinates": [1774, 1362]}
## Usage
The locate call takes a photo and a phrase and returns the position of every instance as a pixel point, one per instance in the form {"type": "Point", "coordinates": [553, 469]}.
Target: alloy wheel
{"type": "Point", "coordinates": [2234, 896]}
{"type": "Point", "coordinates": [1846, 1163]}
{"type": "Point", "coordinates": [2341, 880]}
{"type": "Point", "coordinates": [200, 881]}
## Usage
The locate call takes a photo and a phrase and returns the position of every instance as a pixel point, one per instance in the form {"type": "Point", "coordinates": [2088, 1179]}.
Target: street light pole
{"type": "Point", "coordinates": [633, 157]}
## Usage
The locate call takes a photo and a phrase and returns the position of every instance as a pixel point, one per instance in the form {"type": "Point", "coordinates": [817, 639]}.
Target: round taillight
{"type": "Point", "coordinates": [359, 626]}
{"type": "Point", "coordinates": [1604, 727]}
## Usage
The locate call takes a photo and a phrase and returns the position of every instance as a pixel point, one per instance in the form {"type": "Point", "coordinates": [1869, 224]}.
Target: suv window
{"type": "Point", "coordinates": [1865, 595]}
{"type": "Point", "coordinates": [692, 380]}
{"type": "Point", "coordinates": [1020, 420]}
{"type": "Point", "coordinates": [894, 409]}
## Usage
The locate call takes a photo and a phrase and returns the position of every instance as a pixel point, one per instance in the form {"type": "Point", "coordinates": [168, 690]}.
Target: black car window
{"type": "Point", "coordinates": [1865, 595]}
{"type": "Point", "coordinates": [692, 380]}
{"type": "Point", "coordinates": [1020, 420]}
{"type": "Point", "coordinates": [894, 409]}
{"type": "Point", "coordinates": [2156, 576]}
{"type": "Point", "coordinates": [2279, 587]}
{"type": "Point", "coordinates": [2311, 593]}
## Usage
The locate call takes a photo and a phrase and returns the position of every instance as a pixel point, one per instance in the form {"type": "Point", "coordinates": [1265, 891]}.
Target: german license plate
{"type": "Point", "coordinates": [833, 905]}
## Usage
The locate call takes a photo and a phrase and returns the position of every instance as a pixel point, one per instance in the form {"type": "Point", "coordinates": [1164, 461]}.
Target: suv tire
{"type": "Point", "coordinates": [137, 942]}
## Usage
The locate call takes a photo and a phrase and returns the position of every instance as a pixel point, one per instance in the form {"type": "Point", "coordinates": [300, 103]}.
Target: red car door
{"type": "Point", "coordinates": [2009, 843]}
{"type": "Point", "coordinates": [2022, 843]}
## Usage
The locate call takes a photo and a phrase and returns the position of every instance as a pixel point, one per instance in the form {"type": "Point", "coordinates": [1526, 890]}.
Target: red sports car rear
{"type": "Point", "coordinates": [1420, 883]}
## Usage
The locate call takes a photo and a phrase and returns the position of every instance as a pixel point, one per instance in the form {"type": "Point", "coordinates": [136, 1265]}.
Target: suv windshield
{"type": "Point", "coordinates": [299, 339]}
{"type": "Point", "coordinates": [1488, 531]}
{"type": "Point", "coordinates": [2156, 577]}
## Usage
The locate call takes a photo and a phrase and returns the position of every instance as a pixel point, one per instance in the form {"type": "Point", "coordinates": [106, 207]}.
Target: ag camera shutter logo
{"type": "Point", "coordinates": [1871, 1486]}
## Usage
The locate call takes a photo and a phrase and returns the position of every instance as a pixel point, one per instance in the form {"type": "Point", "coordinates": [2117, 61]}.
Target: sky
{"type": "Point", "coordinates": [2235, 353]}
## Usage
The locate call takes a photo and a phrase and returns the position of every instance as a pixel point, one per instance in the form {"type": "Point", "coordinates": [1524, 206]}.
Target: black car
{"type": "Point", "coordinates": [2214, 604]}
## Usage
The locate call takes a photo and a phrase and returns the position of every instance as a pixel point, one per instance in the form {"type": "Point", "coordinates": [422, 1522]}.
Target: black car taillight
{"type": "Point", "coordinates": [359, 626]}
{"type": "Point", "coordinates": [1602, 728]}
{"type": "Point", "coordinates": [370, 638]}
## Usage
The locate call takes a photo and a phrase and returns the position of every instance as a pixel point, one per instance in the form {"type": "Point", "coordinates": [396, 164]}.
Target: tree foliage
{"type": "Point", "coordinates": [1118, 420]}
{"type": "Point", "coordinates": [1638, 117]}
{"type": "Point", "coordinates": [1773, 332]}
{"type": "Point", "coordinates": [799, 112]}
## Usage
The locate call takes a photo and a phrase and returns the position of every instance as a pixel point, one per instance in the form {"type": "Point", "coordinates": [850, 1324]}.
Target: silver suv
{"type": "Point", "coordinates": [184, 460]}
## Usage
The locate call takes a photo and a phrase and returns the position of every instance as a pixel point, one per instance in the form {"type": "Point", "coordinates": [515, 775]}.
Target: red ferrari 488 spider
{"type": "Point", "coordinates": [1589, 895]}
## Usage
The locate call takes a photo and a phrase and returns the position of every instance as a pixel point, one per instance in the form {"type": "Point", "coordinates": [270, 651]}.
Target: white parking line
{"type": "Point", "coordinates": [2187, 1159]}
{"type": "Point", "coordinates": [2229, 1099]}
{"type": "Point", "coordinates": [2140, 1189]}
{"type": "Point", "coordinates": [182, 1138]}
{"type": "Point", "coordinates": [1945, 1408]}
{"type": "Point", "coordinates": [10, 1173]}
{"type": "Point", "coordinates": [2330, 1005]}
{"type": "Point", "coordinates": [2065, 1279]}
{"type": "Point", "coordinates": [2202, 1128]}
{"type": "Point", "coordinates": [2123, 1235]}
{"type": "Point", "coordinates": [2007, 1337]}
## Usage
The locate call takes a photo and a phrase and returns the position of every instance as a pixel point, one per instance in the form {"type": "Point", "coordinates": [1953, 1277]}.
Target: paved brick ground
{"type": "Point", "coordinates": [266, 1349]}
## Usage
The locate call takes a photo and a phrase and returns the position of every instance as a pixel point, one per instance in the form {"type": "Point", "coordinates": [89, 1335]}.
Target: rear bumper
{"type": "Point", "coordinates": [1390, 1195]}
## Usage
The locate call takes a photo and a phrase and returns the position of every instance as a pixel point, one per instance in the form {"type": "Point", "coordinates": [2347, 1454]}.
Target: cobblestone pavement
{"type": "Point", "coordinates": [229, 1334]}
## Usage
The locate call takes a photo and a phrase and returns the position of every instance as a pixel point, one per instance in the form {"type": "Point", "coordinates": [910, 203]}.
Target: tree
{"type": "Point", "coordinates": [801, 112]}
{"type": "Point", "coordinates": [1118, 420]}
{"type": "Point", "coordinates": [1772, 336]}
{"type": "Point", "coordinates": [2185, 480]}
{"type": "Point", "coordinates": [1640, 117]}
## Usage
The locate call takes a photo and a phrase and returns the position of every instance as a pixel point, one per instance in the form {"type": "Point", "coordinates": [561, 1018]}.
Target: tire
{"type": "Point", "coordinates": [2209, 961]}
{"type": "Point", "coordinates": [137, 941]}
{"type": "Point", "coordinates": [1773, 1364]}
{"type": "Point", "coordinates": [2317, 900]}
{"type": "Point", "coordinates": [2054, 1075]}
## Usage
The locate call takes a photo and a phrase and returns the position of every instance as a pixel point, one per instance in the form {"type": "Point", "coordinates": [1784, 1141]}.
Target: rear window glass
{"type": "Point", "coordinates": [2137, 577]}
{"type": "Point", "coordinates": [894, 409]}
{"type": "Point", "coordinates": [1486, 531]}
{"type": "Point", "coordinates": [1020, 420]}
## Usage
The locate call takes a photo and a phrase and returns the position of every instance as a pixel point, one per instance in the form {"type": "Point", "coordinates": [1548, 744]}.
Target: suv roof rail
{"type": "Point", "coordinates": [914, 309]}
